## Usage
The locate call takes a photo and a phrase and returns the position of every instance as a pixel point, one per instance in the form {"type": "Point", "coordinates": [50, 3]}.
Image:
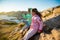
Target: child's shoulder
{"type": "Point", "coordinates": [36, 17]}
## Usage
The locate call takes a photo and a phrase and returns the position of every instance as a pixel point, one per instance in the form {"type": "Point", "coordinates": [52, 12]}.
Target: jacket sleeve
{"type": "Point", "coordinates": [40, 22]}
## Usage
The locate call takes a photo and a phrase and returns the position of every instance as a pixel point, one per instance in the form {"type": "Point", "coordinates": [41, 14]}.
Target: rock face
{"type": "Point", "coordinates": [52, 18]}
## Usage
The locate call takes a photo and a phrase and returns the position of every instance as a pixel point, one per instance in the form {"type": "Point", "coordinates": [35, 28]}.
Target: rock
{"type": "Point", "coordinates": [44, 36]}
{"type": "Point", "coordinates": [56, 34]}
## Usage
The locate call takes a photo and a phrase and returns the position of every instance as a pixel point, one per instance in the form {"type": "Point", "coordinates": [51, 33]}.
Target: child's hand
{"type": "Point", "coordinates": [39, 31]}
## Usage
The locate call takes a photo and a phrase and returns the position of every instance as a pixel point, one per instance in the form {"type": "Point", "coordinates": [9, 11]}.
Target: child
{"type": "Point", "coordinates": [36, 25]}
{"type": "Point", "coordinates": [27, 21]}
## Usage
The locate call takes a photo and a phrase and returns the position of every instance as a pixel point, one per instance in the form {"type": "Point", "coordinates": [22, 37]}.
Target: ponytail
{"type": "Point", "coordinates": [37, 13]}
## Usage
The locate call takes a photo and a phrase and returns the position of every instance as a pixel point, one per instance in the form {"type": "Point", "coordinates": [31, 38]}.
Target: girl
{"type": "Point", "coordinates": [36, 24]}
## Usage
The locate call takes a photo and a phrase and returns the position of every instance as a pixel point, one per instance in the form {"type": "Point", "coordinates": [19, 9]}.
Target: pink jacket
{"type": "Point", "coordinates": [37, 23]}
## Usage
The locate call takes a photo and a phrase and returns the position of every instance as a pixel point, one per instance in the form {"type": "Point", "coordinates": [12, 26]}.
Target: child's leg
{"type": "Point", "coordinates": [29, 34]}
{"type": "Point", "coordinates": [25, 27]}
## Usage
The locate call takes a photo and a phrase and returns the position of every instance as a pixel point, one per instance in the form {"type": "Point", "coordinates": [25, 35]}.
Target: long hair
{"type": "Point", "coordinates": [37, 13]}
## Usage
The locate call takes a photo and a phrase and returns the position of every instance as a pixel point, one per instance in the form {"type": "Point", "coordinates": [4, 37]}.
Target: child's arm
{"type": "Point", "coordinates": [40, 22]}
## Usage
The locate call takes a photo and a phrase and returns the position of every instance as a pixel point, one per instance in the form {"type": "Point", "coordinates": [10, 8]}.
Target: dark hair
{"type": "Point", "coordinates": [37, 13]}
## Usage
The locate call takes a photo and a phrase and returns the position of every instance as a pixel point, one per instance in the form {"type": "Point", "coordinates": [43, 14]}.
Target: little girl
{"type": "Point", "coordinates": [36, 25]}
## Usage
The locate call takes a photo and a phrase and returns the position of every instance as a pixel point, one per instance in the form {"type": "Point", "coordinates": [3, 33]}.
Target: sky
{"type": "Point", "coordinates": [23, 5]}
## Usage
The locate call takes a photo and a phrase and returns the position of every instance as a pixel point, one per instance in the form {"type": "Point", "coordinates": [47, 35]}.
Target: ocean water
{"type": "Point", "coordinates": [9, 18]}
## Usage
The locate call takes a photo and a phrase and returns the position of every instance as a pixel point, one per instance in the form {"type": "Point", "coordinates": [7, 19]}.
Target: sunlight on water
{"type": "Point", "coordinates": [5, 17]}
